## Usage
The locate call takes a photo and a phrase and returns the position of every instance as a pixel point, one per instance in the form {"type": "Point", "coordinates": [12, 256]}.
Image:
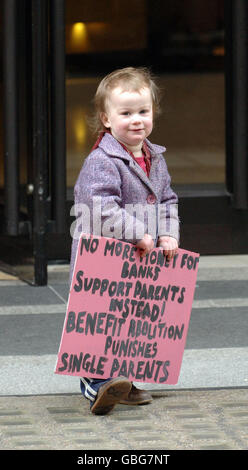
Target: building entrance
{"type": "Point", "coordinates": [54, 54]}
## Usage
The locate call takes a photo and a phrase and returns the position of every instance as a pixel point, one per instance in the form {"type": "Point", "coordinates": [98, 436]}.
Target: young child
{"type": "Point", "coordinates": [124, 168]}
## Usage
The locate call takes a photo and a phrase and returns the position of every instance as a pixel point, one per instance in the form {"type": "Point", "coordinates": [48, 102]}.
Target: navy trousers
{"type": "Point", "coordinates": [90, 387]}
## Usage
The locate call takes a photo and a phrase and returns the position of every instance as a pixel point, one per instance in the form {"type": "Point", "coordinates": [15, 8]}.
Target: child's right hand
{"type": "Point", "coordinates": [145, 245]}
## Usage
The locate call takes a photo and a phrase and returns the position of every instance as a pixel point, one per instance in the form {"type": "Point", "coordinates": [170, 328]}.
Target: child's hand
{"type": "Point", "coordinates": [145, 245]}
{"type": "Point", "coordinates": [169, 246]}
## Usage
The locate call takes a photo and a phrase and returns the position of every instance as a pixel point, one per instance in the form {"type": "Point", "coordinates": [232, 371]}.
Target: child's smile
{"type": "Point", "coordinates": [129, 115]}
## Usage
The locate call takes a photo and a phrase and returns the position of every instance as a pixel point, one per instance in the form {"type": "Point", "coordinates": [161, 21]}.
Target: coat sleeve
{"type": "Point", "coordinates": [168, 220]}
{"type": "Point", "coordinates": [98, 204]}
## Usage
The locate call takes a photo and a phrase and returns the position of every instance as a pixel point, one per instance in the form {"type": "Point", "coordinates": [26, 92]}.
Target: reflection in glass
{"type": "Point", "coordinates": [191, 126]}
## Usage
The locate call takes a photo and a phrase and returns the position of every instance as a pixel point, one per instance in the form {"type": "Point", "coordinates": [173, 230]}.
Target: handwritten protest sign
{"type": "Point", "coordinates": [127, 315]}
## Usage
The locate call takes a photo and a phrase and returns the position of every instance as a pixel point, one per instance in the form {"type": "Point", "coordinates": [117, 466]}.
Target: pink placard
{"type": "Point", "coordinates": [126, 315]}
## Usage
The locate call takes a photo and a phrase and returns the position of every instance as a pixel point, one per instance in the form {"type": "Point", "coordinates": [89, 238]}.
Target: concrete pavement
{"type": "Point", "coordinates": [207, 409]}
{"type": "Point", "coordinates": [175, 420]}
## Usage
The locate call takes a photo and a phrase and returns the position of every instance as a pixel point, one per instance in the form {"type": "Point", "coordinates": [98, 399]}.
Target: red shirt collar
{"type": "Point", "coordinates": [145, 150]}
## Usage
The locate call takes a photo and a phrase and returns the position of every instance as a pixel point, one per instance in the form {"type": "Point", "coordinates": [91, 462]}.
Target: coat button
{"type": "Point", "coordinates": [151, 199]}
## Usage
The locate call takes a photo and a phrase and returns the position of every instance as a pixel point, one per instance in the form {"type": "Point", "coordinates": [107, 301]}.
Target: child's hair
{"type": "Point", "coordinates": [129, 79]}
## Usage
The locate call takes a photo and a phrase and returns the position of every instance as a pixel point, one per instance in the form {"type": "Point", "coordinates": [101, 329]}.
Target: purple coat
{"type": "Point", "coordinates": [115, 198]}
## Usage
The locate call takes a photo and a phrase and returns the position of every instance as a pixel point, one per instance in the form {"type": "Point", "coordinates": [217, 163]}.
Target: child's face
{"type": "Point", "coordinates": [129, 115]}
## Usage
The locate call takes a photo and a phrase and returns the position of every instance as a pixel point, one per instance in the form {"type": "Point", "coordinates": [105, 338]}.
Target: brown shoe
{"type": "Point", "coordinates": [110, 394]}
{"type": "Point", "coordinates": [136, 397]}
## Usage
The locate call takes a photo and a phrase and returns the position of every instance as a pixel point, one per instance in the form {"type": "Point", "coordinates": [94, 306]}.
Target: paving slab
{"type": "Point", "coordinates": [175, 420]}
{"type": "Point", "coordinates": [216, 353]}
